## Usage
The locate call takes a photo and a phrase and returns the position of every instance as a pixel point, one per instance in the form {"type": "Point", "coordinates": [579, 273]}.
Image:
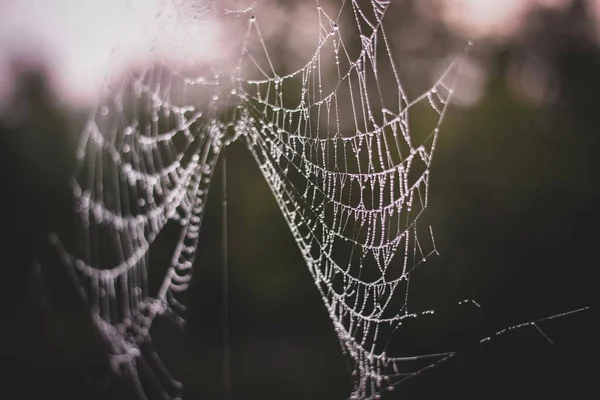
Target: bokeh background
{"type": "Point", "coordinates": [513, 203]}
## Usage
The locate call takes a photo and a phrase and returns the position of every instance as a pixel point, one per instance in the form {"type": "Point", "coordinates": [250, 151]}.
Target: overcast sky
{"type": "Point", "coordinates": [75, 37]}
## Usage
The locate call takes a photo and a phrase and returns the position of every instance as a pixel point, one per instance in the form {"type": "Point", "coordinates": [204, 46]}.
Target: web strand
{"type": "Point", "coordinates": [335, 141]}
{"type": "Point", "coordinates": [225, 255]}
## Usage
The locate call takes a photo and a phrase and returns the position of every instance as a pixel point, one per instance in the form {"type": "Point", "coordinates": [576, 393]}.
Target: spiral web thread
{"type": "Point", "coordinates": [341, 159]}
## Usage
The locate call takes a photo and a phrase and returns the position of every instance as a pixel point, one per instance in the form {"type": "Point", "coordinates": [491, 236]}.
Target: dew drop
{"type": "Point", "coordinates": [76, 191]}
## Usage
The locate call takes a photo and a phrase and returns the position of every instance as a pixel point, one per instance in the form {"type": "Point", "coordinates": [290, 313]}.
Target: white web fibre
{"type": "Point", "coordinates": [335, 143]}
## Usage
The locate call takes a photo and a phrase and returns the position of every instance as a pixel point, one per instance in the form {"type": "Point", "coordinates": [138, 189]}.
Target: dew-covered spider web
{"type": "Point", "coordinates": [335, 143]}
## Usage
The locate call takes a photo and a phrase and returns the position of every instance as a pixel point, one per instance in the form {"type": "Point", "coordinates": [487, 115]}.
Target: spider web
{"type": "Point", "coordinates": [334, 141]}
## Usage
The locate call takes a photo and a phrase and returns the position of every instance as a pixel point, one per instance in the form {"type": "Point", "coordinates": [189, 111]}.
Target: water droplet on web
{"type": "Point", "coordinates": [331, 177]}
{"type": "Point", "coordinates": [77, 191]}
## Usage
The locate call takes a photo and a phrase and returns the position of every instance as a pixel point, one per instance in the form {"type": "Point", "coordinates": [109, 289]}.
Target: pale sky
{"type": "Point", "coordinates": [476, 18]}
{"type": "Point", "coordinates": [75, 37]}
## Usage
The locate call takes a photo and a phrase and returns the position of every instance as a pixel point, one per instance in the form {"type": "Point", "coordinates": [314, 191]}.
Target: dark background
{"type": "Point", "coordinates": [514, 195]}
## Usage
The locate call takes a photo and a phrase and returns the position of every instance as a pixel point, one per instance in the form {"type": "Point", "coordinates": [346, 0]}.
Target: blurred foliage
{"type": "Point", "coordinates": [513, 203]}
